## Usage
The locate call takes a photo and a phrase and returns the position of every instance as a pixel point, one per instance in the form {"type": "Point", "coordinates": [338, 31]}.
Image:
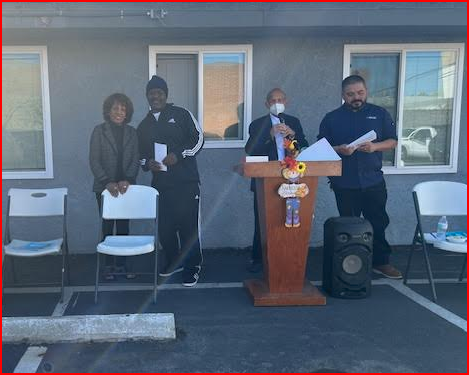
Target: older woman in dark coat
{"type": "Point", "coordinates": [114, 161]}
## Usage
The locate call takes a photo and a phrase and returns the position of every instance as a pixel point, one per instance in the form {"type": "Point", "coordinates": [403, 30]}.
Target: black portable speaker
{"type": "Point", "coordinates": [348, 250]}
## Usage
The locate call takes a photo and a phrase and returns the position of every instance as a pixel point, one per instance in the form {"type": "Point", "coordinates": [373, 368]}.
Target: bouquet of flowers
{"type": "Point", "coordinates": [291, 152]}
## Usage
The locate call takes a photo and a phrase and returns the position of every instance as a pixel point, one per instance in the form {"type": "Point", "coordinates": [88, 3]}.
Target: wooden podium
{"type": "Point", "coordinates": [284, 250]}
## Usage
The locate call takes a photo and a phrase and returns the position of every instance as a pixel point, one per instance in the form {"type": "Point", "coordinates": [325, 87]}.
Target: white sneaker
{"type": "Point", "coordinates": [169, 273]}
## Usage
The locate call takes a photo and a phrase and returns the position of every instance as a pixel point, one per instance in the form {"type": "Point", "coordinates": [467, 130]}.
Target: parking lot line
{"type": "Point", "coordinates": [62, 306]}
{"type": "Point", "coordinates": [31, 360]}
{"type": "Point", "coordinates": [429, 305]}
{"type": "Point", "coordinates": [140, 287]}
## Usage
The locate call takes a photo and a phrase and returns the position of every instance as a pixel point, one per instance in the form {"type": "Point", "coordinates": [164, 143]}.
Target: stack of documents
{"type": "Point", "coordinates": [319, 151]}
{"type": "Point", "coordinates": [368, 137]}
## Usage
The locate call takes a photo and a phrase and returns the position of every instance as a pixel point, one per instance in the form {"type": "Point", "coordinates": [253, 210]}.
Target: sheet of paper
{"type": "Point", "coordinates": [368, 137]}
{"type": "Point", "coordinates": [319, 151]}
{"type": "Point", "coordinates": [161, 151]}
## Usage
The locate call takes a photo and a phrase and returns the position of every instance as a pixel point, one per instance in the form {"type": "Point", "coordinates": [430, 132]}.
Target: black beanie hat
{"type": "Point", "coordinates": [157, 83]}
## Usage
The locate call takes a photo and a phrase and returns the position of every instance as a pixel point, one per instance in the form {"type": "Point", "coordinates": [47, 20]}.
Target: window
{"type": "Point", "coordinates": [420, 85]}
{"type": "Point", "coordinates": [214, 83]}
{"type": "Point", "coordinates": [26, 135]}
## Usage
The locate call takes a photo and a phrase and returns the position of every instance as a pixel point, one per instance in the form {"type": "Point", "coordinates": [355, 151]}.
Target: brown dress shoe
{"type": "Point", "coordinates": [388, 271]}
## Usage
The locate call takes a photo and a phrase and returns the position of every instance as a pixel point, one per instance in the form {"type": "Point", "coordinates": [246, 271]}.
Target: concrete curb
{"type": "Point", "coordinates": [88, 328]}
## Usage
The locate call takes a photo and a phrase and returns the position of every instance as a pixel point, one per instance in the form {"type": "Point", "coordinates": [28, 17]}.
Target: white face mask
{"type": "Point", "coordinates": [277, 108]}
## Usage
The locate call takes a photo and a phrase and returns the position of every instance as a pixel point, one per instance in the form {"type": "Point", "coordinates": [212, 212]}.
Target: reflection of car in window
{"type": "Point", "coordinates": [415, 142]}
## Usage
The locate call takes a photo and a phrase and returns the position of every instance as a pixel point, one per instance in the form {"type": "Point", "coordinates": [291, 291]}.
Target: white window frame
{"type": "Point", "coordinates": [403, 49]}
{"type": "Point", "coordinates": [48, 172]}
{"type": "Point", "coordinates": [199, 50]}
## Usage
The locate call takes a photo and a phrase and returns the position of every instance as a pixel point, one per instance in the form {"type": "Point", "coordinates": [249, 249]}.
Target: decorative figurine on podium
{"type": "Point", "coordinates": [292, 191]}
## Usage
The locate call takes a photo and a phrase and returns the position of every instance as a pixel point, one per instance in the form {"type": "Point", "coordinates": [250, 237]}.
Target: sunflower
{"type": "Point", "coordinates": [301, 167]}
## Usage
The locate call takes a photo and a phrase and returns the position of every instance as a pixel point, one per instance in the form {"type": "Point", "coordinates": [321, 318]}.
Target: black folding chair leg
{"type": "Point", "coordinates": [155, 280]}
{"type": "Point", "coordinates": [412, 249]}
{"type": "Point", "coordinates": [97, 279]}
{"type": "Point", "coordinates": [67, 269]}
{"type": "Point", "coordinates": [461, 275]}
{"type": "Point", "coordinates": [13, 270]}
{"type": "Point", "coordinates": [63, 278]}
{"type": "Point", "coordinates": [429, 272]}
{"type": "Point", "coordinates": [3, 273]}
{"type": "Point", "coordinates": [409, 260]}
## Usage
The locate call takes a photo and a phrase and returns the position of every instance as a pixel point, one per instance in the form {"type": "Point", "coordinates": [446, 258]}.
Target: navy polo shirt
{"type": "Point", "coordinates": [342, 126]}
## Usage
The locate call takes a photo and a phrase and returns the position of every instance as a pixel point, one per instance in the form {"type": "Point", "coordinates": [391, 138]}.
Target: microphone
{"type": "Point", "coordinates": [281, 117]}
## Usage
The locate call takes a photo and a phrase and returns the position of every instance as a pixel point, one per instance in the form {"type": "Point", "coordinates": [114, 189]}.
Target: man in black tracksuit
{"type": "Point", "coordinates": [178, 186]}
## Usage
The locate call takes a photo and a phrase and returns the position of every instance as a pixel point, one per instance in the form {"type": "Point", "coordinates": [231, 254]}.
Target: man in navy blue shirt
{"type": "Point", "coordinates": [361, 189]}
{"type": "Point", "coordinates": [266, 135]}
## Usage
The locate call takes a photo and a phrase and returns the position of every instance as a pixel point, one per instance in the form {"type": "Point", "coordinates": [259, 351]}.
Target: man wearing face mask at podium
{"type": "Point", "coordinates": [266, 135]}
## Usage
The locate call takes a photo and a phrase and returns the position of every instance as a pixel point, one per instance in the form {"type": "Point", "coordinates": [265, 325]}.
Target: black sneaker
{"type": "Point", "coordinates": [191, 276]}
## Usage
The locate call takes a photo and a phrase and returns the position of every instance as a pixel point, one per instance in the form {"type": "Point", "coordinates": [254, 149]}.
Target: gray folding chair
{"type": "Point", "coordinates": [139, 202]}
{"type": "Point", "coordinates": [437, 198]}
{"type": "Point", "coordinates": [37, 203]}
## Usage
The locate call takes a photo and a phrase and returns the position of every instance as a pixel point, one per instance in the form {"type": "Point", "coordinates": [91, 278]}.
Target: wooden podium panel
{"type": "Point", "coordinates": [262, 296]}
{"type": "Point", "coordinates": [284, 250]}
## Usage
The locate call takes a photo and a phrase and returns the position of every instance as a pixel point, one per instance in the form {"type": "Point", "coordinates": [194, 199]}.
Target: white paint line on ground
{"type": "Point", "coordinates": [136, 287]}
{"type": "Point", "coordinates": [373, 282]}
{"type": "Point", "coordinates": [437, 281]}
{"type": "Point", "coordinates": [88, 328]}
{"type": "Point", "coordinates": [62, 306]}
{"type": "Point", "coordinates": [429, 305]}
{"type": "Point", "coordinates": [31, 360]}
{"type": "Point", "coordinates": [203, 286]}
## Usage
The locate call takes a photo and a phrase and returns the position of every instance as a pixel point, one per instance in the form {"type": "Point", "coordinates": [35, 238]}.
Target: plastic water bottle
{"type": "Point", "coordinates": [441, 229]}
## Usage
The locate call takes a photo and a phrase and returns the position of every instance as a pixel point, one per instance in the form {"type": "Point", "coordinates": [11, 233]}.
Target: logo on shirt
{"type": "Point", "coordinates": [371, 117]}
{"type": "Point", "coordinates": [171, 121]}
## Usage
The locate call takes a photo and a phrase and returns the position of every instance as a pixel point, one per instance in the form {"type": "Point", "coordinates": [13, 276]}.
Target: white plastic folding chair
{"type": "Point", "coordinates": [37, 203]}
{"type": "Point", "coordinates": [437, 198]}
{"type": "Point", "coordinates": [139, 202]}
